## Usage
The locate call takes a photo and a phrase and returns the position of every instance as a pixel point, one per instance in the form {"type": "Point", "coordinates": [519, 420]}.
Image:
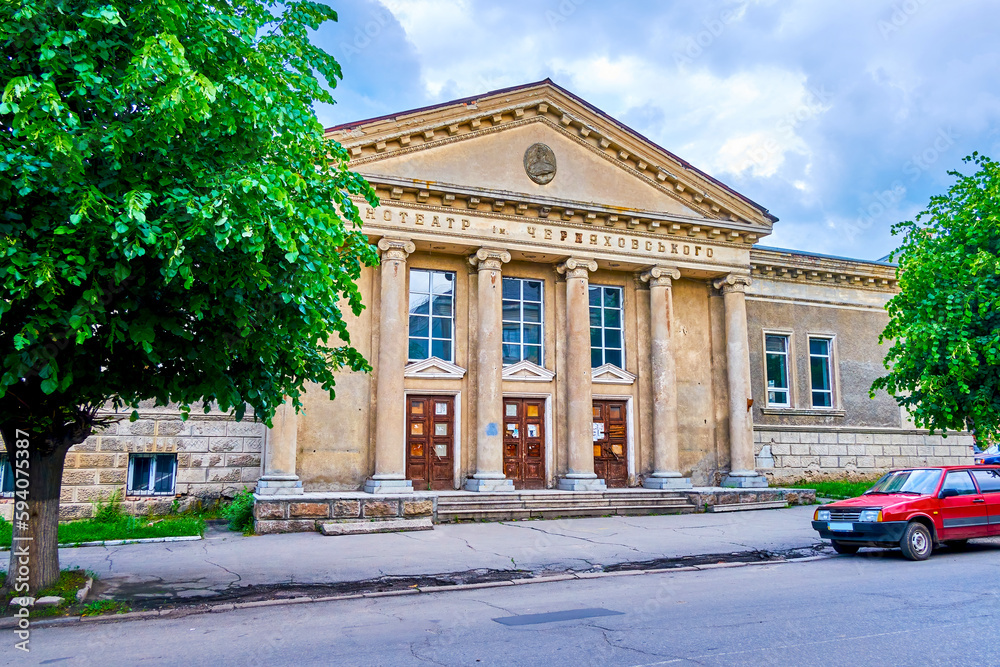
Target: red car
{"type": "Point", "coordinates": [916, 510]}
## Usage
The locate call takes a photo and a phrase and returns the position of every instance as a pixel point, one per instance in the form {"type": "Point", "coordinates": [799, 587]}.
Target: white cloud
{"type": "Point", "coordinates": [731, 86]}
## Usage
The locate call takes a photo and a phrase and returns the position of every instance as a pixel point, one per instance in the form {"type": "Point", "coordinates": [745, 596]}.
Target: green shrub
{"type": "Point", "coordinates": [239, 512]}
{"type": "Point", "coordinates": [111, 511]}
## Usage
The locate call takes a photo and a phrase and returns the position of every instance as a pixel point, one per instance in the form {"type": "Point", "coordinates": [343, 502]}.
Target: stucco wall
{"type": "Point", "coordinates": [854, 319]}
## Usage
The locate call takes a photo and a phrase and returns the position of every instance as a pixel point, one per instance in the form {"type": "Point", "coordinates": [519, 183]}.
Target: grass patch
{"type": "Point", "coordinates": [129, 528]}
{"type": "Point", "coordinates": [70, 581]}
{"type": "Point", "coordinates": [838, 489]}
{"type": "Point", "coordinates": [112, 522]}
{"type": "Point", "coordinates": [101, 607]}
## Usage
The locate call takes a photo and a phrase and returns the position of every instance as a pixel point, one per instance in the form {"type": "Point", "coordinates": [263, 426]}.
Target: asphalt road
{"type": "Point", "coordinates": [875, 608]}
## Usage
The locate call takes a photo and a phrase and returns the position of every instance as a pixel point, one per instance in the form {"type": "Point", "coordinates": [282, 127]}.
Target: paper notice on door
{"type": "Point", "coordinates": [532, 430]}
{"type": "Point", "coordinates": [598, 432]}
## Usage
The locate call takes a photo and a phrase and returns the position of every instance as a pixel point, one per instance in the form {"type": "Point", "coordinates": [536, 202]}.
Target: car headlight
{"type": "Point", "coordinates": [870, 515]}
{"type": "Point", "coordinates": [822, 515]}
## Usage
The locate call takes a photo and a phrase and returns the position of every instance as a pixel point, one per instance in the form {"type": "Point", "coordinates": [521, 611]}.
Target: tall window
{"type": "Point", "coordinates": [150, 474]}
{"type": "Point", "coordinates": [6, 476]}
{"type": "Point", "coordinates": [819, 371]}
{"type": "Point", "coordinates": [432, 315]}
{"type": "Point", "coordinates": [606, 346]}
{"type": "Point", "coordinates": [776, 352]}
{"type": "Point", "coordinates": [522, 320]}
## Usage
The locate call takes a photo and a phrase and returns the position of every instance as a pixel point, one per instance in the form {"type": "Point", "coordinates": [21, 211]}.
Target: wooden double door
{"type": "Point", "coordinates": [611, 443]}
{"type": "Point", "coordinates": [524, 442]}
{"type": "Point", "coordinates": [430, 442]}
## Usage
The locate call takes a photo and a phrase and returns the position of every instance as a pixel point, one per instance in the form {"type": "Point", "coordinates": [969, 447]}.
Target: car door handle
{"type": "Point", "coordinates": [978, 500]}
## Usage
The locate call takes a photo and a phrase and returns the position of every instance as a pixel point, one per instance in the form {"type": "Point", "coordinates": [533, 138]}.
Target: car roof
{"type": "Point", "coordinates": [970, 466]}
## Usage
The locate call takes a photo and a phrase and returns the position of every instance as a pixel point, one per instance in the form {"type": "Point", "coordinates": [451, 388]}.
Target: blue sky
{"type": "Point", "coordinates": [839, 117]}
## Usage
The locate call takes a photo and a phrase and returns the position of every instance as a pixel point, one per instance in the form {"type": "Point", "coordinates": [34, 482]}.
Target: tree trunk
{"type": "Point", "coordinates": [38, 469]}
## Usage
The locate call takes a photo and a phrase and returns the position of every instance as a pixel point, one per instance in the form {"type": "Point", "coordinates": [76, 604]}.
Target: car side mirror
{"type": "Point", "coordinates": [948, 493]}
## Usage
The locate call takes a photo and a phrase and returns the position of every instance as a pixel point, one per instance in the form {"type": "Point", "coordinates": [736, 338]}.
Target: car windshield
{"type": "Point", "coordinates": [919, 482]}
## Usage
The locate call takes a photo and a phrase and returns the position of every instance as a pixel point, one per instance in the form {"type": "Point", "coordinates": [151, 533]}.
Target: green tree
{"type": "Point", "coordinates": [173, 225]}
{"type": "Point", "coordinates": [944, 363]}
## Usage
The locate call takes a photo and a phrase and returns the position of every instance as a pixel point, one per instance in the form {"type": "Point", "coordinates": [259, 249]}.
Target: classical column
{"type": "Point", "coordinates": [489, 374]}
{"type": "Point", "coordinates": [390, 401]}
{"type": "Point", "coordinates": [580, 474]}
{"type": "Point", "coordinates": [666, 456]}
{"type": "Point", "coordinates": [741, 455]}
{"type": "Point", "coordinates": [280, 447]}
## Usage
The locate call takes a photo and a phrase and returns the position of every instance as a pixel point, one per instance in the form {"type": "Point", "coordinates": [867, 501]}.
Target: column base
{"type": "Point", "coordinates": [388, 486]}
{"type": "Point", "coordinates": [673, 482]}
{"type": "Point", "coordinates": [279, 485]}
{"type": "Point", "coordinates": [745, 480]}
{"type": "Point", "coordinates": [581, 484]}
{"type": "Point", "coordinates": [501, 485]}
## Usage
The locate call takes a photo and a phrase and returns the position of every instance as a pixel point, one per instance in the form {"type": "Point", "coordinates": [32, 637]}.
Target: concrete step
{"type": "Point", "coordinates": [369, 527]}
{"type": "Point", "coordinates": [743, 507]}
{"type": "Point", "coordinates": [562, 505]}
{"type": "Point", "coordinates": [552, 497]}
{"type": "Point", "coordinates": [513, 514]}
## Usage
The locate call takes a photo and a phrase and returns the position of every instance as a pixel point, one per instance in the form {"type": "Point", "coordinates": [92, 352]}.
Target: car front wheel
{"type": "Point", "coordinates": [917, 542]}
{"type": "Point", "coordinates": [845, 548]}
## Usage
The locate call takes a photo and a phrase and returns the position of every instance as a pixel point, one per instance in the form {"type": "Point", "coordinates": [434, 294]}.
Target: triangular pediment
{"type": "Point", "coordinates": [495, 161]}
{"type": "Point", "coordinates": [484, 144]}
{"type": "Point", "coordinates": [609, 374]}
{"type": "Point", "coordinates": [434, 369]}
{"type": "Point", "coordinates": [526, 371]}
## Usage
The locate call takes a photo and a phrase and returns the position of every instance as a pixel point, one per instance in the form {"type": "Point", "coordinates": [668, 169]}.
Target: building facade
{"type": "Point", "coordinates": [561, 304]}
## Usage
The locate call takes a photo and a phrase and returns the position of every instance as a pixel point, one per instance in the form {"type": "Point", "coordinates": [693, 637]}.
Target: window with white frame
{"type": "Point", "coordinates": [522, 320]}
{"type": "Point", "coordinates": [606, 341]}
{"type": "Point", "coordinates": [776, 361]}
{"type": "Point", "coordinates": [6, 476]}
{"type": "Point", "coordinates": [820, 366]}
{"type": "Point", "coordinates": [151, 474]}
{"type": "Point", "coordinates": [432, 315]}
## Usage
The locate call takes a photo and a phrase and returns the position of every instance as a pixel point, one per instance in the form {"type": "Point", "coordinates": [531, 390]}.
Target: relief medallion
{"type": "Point", "coordinates": [540, 163]}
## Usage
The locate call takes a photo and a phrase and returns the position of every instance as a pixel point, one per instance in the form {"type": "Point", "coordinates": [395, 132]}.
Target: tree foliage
{"type": "Point", "coordinates": [944, 363]}
{"type": "Point", "coordinates": [173, 225]}
{"type": "Point", "coordinates": [173, 222]}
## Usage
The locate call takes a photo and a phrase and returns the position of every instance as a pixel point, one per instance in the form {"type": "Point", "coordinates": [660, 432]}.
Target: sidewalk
{"type": "Point", "coordinates": [226, 560]}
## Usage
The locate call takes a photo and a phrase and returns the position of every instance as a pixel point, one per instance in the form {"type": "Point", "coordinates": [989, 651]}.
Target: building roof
{"type": "Point", "coordinates": [882, 261]}
{"type": "Point", "coordinates": [354, 125]}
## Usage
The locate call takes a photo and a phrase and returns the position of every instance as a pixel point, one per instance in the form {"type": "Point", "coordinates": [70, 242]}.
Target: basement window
{"type": "Point", "coordinates": [6, 477]}
{"type": "Point", "coordinates": [151, 474]}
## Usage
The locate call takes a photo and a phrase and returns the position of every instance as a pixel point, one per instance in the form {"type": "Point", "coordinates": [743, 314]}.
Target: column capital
{"type": "Point", "coordinates": [489, 259]}
{"type": "Point", "coordinates": [734, 282]}
{"type": "Point", "coordinates": [394, 248]}
{"type": "Point", "coordinates": [660, 276]}
{"type": "Point", "coordinates": [577, 267]}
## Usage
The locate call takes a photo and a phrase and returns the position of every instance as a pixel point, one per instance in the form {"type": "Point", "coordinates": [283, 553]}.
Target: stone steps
{"type": "Point", "coordinates": [559, 504]}
{"type": "Point", "coordinates": [549, 505]}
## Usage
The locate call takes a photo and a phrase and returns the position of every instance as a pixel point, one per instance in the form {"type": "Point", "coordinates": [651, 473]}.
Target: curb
{"type": "Point", "coordinates": [233, 606]}
{"type": "Point", "coordinates": [118, 543]}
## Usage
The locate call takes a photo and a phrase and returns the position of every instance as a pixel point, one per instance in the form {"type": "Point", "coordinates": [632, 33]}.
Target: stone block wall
{"type": "Point", "coordinates": [304, 513]}
{"type": "Point", "coordinates": [216, 458]}
{"type": "Point", "coordinates": [788, 454]}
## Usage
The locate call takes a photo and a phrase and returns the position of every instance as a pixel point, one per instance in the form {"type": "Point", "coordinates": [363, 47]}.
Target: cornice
{"type": "Point", "coordinates": [516, 207]}
{"type": "Point", "coordinates": [803, 268]}
{"type": "Point", "coordinates": [404, 134]}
